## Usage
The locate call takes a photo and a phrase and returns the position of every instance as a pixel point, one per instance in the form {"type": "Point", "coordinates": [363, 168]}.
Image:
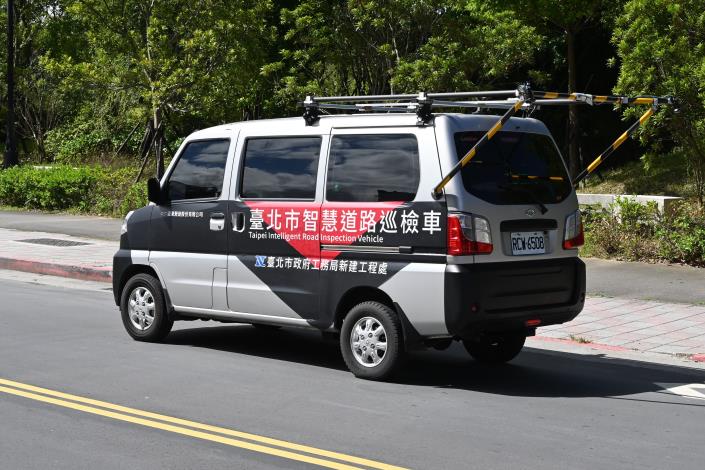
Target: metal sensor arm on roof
{"type": "Point", "coordinates": [610, 150]}
{"type": "Point", "coordinates": [523, 97]}
{"type": "Point", "coordinates": [438, 190]}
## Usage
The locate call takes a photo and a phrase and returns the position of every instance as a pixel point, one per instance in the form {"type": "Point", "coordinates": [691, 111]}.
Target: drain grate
{"type": "Point", "coordinates": [53, 242]}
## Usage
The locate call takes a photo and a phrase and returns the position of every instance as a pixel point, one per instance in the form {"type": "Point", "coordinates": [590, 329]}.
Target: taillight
{"type": "Point", "coordinates": [574, 236]}
{"type": "Point", "coordinates": [468, 235]}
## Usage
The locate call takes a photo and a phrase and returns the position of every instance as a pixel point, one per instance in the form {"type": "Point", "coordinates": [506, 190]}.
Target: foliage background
{"type": "Point", "coordinates": [89, 71]}
{"type": "Point", "coordinates": [92, 73]}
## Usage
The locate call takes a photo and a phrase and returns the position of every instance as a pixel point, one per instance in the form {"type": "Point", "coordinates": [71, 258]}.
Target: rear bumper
{"type": "Point", "coordinates": [500, 297]}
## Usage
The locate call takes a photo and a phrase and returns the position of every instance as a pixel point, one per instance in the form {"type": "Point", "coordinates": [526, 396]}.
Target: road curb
{"type": "Point", "coordinates": [83, 273]}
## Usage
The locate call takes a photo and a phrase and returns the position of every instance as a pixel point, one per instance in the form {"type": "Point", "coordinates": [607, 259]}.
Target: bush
{"type": "Point", "coordinates": [636, 232]}
{"type": "Point", "coordinates": [682, 235]}
{"type": "Point", "coordinates": [48, 188]}
{"type": "Point", "coordinates": [117, 194]}
{"type": "Point", "coordinates": [93, 190]}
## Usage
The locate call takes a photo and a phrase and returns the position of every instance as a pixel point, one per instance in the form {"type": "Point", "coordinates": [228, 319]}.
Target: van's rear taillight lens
{"type": "Point", "coordinates": [574, 236]}
{"type": "Point", "coordinates": [468, 235]}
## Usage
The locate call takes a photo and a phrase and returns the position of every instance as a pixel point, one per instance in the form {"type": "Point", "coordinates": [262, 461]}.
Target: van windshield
{"type": "Point", "coordinates": [514, 168]}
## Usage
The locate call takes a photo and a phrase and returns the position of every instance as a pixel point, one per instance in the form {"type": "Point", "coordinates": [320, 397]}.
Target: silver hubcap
{"type": "Point", "coordinates": [368, 341]}
{"type": "Point", "coordinates": [141, 308]}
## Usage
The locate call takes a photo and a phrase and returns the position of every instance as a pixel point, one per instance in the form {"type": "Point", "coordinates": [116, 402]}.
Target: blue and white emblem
{"type": "Point", "coordinates": [260, 261]}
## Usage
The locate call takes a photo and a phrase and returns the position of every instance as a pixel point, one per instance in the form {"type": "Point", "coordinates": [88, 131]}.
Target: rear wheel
{"type": "Point", "coordinates": [143, 309]}
{"type": "Point", "coordinates": [371, 341]}
{"type": "Point", "coordinates": [495, 349]}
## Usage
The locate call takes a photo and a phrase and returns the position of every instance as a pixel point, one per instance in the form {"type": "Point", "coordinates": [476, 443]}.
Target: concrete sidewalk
{"type": "Point", "coordinates": [620, 324]}
{"type": "Point", "coordinates": [57, 254]}
{"type": "Point", "coordinates": [606, 323]}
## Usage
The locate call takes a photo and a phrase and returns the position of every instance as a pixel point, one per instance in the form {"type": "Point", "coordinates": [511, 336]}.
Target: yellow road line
{"type": "Point", "coordinates": [26, 391]}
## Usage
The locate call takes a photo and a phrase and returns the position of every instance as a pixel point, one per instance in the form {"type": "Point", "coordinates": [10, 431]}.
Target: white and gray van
{"type": "Point", "coordinates": [333, 223]}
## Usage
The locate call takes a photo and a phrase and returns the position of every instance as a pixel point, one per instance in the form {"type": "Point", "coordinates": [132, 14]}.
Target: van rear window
{"type": "Point", "coordinates": [514, 168]}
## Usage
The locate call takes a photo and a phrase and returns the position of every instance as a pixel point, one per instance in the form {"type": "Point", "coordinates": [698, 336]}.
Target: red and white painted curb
{"type": "Point", "coordinates": [83, 273]}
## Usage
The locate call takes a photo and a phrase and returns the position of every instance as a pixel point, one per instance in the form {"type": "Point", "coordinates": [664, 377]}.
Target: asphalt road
{"type": "Point", "coordinates": [103, 228]}
{"type": "Point", "coordinates": [547, 410]}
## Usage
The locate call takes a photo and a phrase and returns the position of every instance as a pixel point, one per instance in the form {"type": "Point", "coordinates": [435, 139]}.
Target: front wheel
{"type": "Point", "coordinates": [495, 349]}
{"type": "Point", "coordinates": [371, 341]}
{"type": "Point", "coordinates": [144, 310]}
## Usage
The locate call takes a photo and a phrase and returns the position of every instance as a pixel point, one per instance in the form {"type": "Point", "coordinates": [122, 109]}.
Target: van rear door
{"type": "Point", "coordinates": [519, 184]}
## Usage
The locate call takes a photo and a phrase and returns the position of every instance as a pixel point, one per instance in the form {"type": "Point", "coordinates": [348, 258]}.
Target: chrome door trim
{"type": "Point", "coordinates": [361, 249]}
{"type": "Point", "coordinates": [241, 316]}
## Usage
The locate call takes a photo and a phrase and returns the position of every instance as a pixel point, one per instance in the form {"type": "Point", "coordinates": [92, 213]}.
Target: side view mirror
{"type": "Point", "coordinates": [154, 191]}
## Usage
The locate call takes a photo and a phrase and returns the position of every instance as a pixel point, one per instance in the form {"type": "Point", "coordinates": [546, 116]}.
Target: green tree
{"type": "Point", "coordinates": [569, 18]}
{"type": "Point", "coordinates": [195, 60]}
{"type": "Point", "coordinates": [375, 46]}
{"type": "Point", "coordinates": [46, 34]}
{"type": "Point", "coordinates": [472, 45]}
{"type": "Point", "coordinates": [661, 48]}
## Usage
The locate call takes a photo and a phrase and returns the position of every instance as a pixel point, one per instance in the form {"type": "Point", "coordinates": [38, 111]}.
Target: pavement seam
{"type": "Point", "coordinates": [646, 327]}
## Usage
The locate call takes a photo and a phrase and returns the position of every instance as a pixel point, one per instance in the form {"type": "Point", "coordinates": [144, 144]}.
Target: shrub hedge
{"type": "Point", "coordinates": [636, 232]}
{"type": "Point", "coordinates": [93, 190]}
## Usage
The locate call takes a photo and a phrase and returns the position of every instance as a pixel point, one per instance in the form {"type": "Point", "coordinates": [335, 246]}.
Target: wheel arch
{"type": "Point", "coordinates": [359, 294]}
{"type": "Point", "coordinates": [135, 269]}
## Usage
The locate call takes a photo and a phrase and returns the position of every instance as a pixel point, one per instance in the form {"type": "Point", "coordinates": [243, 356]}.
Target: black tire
{"type": "Point", "coordinates": [495, 349]}
{"type": "Point", "coordinates": [391, 358]}
{"type": "Point", "coordinates": [266, 327]}
{"type": "Point", "coordinates": [161, 324]}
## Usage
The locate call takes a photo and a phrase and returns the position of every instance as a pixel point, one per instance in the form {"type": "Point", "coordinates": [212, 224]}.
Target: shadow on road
{"type": "Point", "coordinates": [287, 344]}
{"type": "Point", "coordinates": [535, 373]}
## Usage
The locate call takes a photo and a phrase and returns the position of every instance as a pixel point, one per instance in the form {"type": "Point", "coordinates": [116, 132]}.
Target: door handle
{"type": "Point", "coordinates": [238, 221]}
{"type": "Point", "coordinates": [217, 221]}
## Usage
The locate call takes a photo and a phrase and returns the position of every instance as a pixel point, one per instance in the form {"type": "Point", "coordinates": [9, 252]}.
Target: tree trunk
{"type": "Point", "coordinates": [574, 160]}
{"type": "Point", "coordinates": [11, 158]}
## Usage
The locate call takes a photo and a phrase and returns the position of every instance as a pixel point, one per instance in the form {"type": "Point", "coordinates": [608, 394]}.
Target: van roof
{"type": "Point", "coordinates": [459, 121]}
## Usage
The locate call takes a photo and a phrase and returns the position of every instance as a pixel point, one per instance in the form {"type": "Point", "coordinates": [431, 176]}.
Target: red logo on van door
{"type": "Point", "coordinates": [306, 226]}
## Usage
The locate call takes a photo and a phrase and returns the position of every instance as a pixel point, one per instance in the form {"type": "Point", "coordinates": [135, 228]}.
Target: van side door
{"type": "Point", "coordinates": [188, 231]}
{"type": "Point", "coordinates": [273, 250]}
{"type": "Point", "coordinates": [381, 230]}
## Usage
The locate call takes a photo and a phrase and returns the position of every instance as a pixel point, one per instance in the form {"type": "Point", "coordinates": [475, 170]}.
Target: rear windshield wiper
{"type": "Point", "coordinates": [514, 187]}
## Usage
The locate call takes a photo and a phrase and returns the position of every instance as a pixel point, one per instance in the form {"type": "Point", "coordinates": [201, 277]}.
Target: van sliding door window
{"type": "Point", "coordinates": [280, 168]}
{"type": "Point", "coordinates": [199, 171]}
{"type": "Point", "coordinates": [373, 168]}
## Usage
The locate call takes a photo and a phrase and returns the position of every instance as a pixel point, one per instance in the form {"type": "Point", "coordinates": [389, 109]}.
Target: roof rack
{"type": "Point", "coordinates": [523, 98]}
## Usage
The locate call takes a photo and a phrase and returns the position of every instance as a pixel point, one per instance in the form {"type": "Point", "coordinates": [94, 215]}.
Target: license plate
{"type": "Point", "coordinates": [528, 243]}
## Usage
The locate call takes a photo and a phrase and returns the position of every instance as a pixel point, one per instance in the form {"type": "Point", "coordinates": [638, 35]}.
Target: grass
{"type": "Point", "coordinates": [666, 179]}
{"type": "Point", "coordinates": [579, 339]}
{"type": "Point", "coordinates": [12, 209]}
